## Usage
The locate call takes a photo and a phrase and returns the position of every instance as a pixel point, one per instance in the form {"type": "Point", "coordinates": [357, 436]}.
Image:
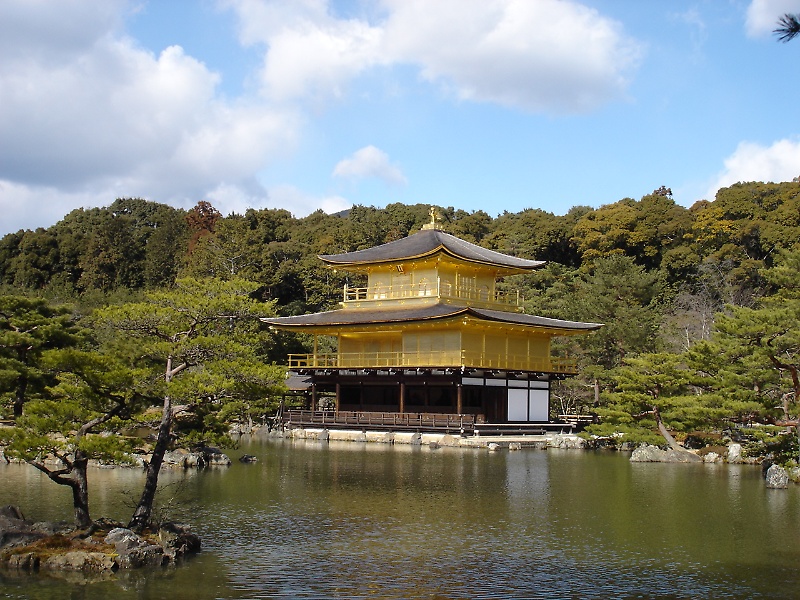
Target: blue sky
{"type": "Point", "coordinates": [487, 105]}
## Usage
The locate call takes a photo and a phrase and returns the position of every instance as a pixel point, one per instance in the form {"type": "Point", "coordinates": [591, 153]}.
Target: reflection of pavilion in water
{"type": "Point", "coordinates": [431, 342]}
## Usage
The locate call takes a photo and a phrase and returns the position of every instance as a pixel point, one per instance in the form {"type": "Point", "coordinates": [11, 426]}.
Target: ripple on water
{"type": "Point", "coordinates": [352, 522]}
{"type": "Point", "coordinates": [282, 554]}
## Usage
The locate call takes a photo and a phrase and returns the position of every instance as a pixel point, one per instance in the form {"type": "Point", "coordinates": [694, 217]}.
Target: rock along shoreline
{"type": "Point", "coordinates": [28, 546]}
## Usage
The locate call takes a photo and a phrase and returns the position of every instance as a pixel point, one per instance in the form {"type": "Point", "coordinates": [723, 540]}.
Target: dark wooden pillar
{"type": "Point", "coordinates": [338, 395]}
{"type": "Point", "coordinates": [459, 399]}
{"type": "Point", "coordinates": [314, 396]}
{"type": "Point", "coordinates": [402, 397]}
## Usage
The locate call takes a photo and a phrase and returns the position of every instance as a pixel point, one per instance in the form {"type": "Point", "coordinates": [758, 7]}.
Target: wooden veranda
{"type": "Point", "coordinates": [456, 424]}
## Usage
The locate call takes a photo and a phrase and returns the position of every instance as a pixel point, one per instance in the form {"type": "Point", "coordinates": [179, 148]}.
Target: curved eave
{"type": "Point", "coordinates": [364, 265]}
{"type": "Point", "coordinates": [425, 244]}
{"type": "Point", "coordinates": [360, 317]}
{"type": "Point", "coordinates": [564, 327]}
{"type": "Point", "coordinates": [351, 318]}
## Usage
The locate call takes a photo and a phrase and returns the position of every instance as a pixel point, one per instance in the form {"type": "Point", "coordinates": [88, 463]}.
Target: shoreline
{"type": "Point", "coordinates": [434, 440]}
{"type": "Point", "coordinates": [28, 546]}
{"type": "Point", "coordinates": [732, 453]}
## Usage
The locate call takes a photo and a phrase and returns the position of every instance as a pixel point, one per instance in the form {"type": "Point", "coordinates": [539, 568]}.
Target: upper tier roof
{"type": "Point", "coordinates": [426, 243]}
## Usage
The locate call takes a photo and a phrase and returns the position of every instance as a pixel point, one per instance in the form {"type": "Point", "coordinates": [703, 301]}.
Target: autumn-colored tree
{"type": "Point", "coordinates": [202, 221]}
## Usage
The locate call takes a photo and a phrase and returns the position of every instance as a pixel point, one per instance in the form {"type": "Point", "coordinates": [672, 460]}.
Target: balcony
{"type": "Point", "coordinates": [482, 297]}
{"type": "Point", "coordinates": [391, 421]}
{"type": "Point", "coordinates": [433, 359]}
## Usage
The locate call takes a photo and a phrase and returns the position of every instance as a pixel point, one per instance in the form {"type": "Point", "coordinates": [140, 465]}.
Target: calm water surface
{"type": "Point", "coordinates": [351, 520]}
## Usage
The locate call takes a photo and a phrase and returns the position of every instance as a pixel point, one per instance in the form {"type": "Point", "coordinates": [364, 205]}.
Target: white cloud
{"type": "Point", "coordinates": [762, 15]}
{"type": "Point", "coordinates": [40, 30]}
{"type": "Point", "coordinates": [551, 56]}
{"type": "Point", "coordinates": [29, 207]}
{"type": "Point", "coordinates": [238, 198]}
{"type": "Point", "coordinates": [754, 162]}
{"type": "Point", "coordinates": [119, 110]}
{"type": "Point", "coordinates": [311, 54]}
{"type": "Point", "coordinates": [696, 27]}
{"type": "Point", "coordinates": [317, 60]}
{"type": "Point", "coordinates": [300, 203]}
{"type": "Point", "coordinates": [92, 114]}
{"type": "Point", "coordinates": [229, 198]}
{"type": "Point", "coordinates": [370, 162]}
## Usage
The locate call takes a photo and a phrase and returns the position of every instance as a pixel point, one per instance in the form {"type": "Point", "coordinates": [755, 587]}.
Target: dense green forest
{"type": "Point", "coordinates": [701, 305]}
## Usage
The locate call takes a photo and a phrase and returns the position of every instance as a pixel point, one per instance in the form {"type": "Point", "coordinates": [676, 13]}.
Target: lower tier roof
{"type": "Point", "coordinates": [431, 312]}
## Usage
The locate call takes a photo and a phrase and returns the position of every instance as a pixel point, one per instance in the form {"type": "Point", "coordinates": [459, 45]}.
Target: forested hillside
{"type": "Point", "coordinates": [701, 304]}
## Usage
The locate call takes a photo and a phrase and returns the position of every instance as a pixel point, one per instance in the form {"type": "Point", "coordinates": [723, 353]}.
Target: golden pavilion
{"type": "Point", "coordinates": [430, 342]}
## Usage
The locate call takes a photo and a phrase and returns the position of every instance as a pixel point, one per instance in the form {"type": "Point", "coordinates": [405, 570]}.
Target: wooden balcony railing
{"type": "Point", "coordinates": [445, 358]}
{"type": "Point", "coordinates": [478, 296]}
{"type": "Point", "coordinates": [382, 420]}
{"type": "Point", "coordinates": [420, 422]}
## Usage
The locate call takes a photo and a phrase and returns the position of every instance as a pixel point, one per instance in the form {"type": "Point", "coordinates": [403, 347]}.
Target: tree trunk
{"type": "Point", "coordinates": [19, 398]}
{"type": "Point", "coordinates": [80, 492]}
{"type": "Point", "coordinates": [141, 516]}
{"type": "Point", "coordinates": [75, 477]}
{"type": "Point", "coordinates": [80, 496]}
{"type": "Point", "coordinates": [664, 432]}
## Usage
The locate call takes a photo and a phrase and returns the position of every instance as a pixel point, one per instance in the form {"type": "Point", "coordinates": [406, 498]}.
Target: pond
{"type": "Point", "coordinates": [355, 520]}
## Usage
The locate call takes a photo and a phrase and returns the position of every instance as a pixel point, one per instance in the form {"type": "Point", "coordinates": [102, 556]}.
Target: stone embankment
{"type": "Point", "coordinates": [437, 440]}
{"type": "Point", "coordinates": [775, 476]}
{"type": "Point", "coordinates": [730, 454]}
{"type": "Point", "coordinates": [56, 547]}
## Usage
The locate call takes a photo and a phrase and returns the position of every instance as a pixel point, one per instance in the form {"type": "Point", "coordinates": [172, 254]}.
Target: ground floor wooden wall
{"type": "Point", "coordinates": [491, 399]}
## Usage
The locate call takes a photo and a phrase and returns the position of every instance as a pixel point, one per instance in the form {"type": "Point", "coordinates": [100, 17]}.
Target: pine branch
{"type": "Point", "coordinates": [788, 27]}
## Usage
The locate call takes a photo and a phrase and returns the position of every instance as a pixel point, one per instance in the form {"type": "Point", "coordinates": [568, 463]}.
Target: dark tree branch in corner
{"type": "Point", "coordinates": [788, 27]}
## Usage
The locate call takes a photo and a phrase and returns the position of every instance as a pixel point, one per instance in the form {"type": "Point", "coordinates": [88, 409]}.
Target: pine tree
{"type": "Point", "coordinates": [198, 343]}
{"type": "Point", "coordinates": [94, 393]}
{"type": "Point", "coordinates": [29, 327]}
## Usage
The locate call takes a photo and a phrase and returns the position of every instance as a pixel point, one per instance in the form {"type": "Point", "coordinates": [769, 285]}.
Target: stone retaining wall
{"type": "Point", "coordinates": [435, 440]}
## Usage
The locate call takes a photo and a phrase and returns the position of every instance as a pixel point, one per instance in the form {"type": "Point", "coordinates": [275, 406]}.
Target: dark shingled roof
{"type": "Point", "coordinates": [297, 383]}
{"type": "Point", "coordinates": [344, 317]}
{"type": "Point", "coordinates": [425, 243]}
{"type": "Point", "coordinates": [533, 320]}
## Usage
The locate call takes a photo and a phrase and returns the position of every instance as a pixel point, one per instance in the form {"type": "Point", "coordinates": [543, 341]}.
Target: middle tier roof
{"type": "Point", "coordinates": [335, 319]}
